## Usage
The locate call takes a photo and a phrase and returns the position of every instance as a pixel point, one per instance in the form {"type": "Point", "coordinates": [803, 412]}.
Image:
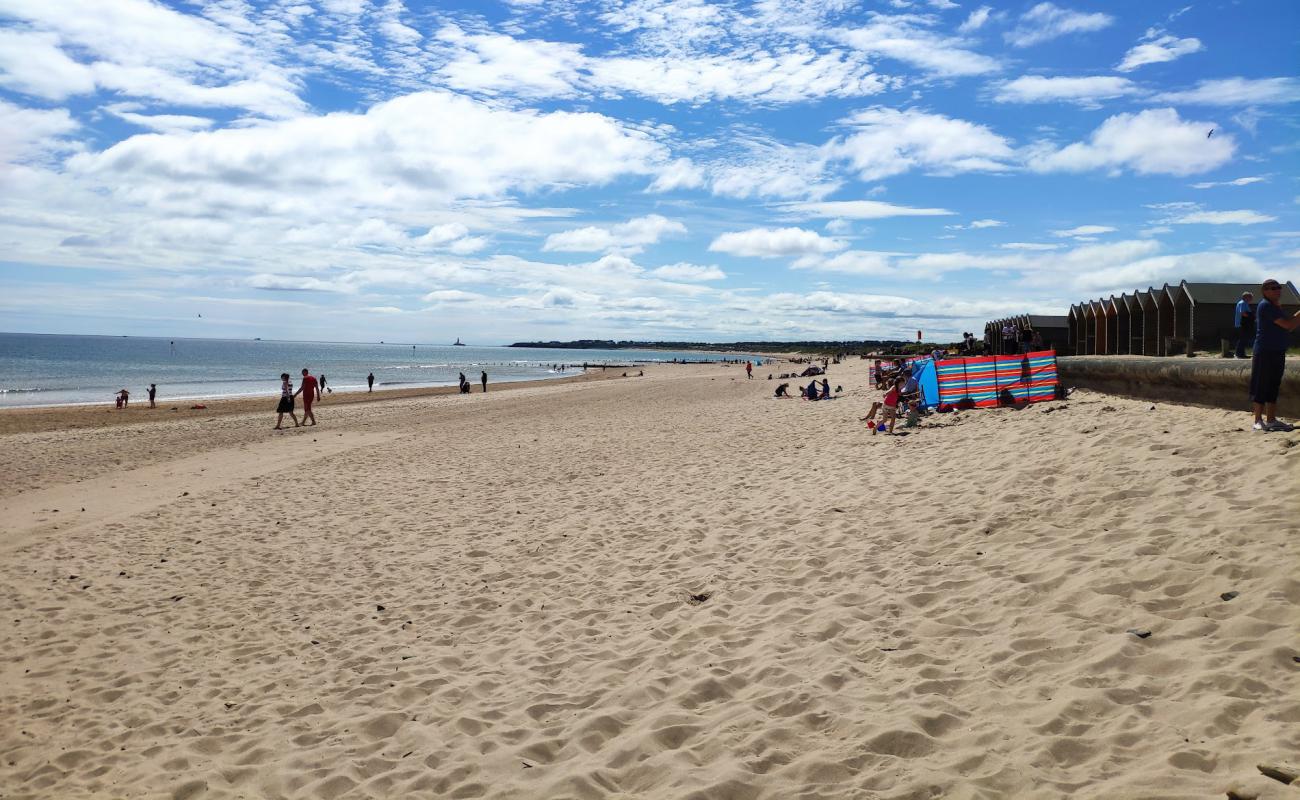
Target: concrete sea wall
{"type": "Point", "coordinates": [1216, 382]}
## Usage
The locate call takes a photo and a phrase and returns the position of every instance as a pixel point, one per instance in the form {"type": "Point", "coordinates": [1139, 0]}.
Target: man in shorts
{"type": "Point", "coordinates": [1272, 336]}
{"type": "Point", "coordinates": [310, 391]}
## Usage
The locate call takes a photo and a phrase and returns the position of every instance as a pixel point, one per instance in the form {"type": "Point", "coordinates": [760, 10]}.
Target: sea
{"type": "Point", "coordinates": [52, 369]}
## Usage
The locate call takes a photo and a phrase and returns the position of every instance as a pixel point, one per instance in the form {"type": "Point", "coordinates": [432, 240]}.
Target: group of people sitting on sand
{"type": "Point", "coordinates": [813, 391]}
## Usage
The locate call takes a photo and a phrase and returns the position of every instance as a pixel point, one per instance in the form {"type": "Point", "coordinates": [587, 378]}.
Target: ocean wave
{"type": "Point", "coordinates": [24, 391]}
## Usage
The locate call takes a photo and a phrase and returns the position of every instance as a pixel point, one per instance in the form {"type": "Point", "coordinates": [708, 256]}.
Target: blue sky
{"type": "Point", "coordinates": [361, 170]}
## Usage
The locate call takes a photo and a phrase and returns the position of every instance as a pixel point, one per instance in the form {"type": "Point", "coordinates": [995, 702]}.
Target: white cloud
{"type": "Point", "coordinates": [779, 77]}
{"type": "Point", "coordinates": [765, 168]}
{"type": "Point", "coordinates": [889, 142]}
{"type": "Point", "coordinates": [680, 174]}
{"type": "Point", "coordinates": [1155, 141]}
{"type": "Point", "coordinates": [976, 20]}
{"type": "Point", "coordinates": [1235, 182]}
{"type": "Point", "coordinates": [1084, 91]}
{"type": "Point", "coordinates": [163, 123]}
{"type": "Point", "coordinates": [398, 152]}
{"type": "Point", "coordinates": [629, 236]}
{"type": "Point", "coordinates": [495, 64]}
{"type": "Point", "coordinates": [447, 297]}
{"type": "Point", "coordinates": [139, 49]}
{"type": "Point", "coordinates": [1047, 21]}
{"type": "Point", "coordinates": [852, 262]}
{"type": "Point", "coordinates": [689, 272]}
{"type": "Point", "coordinates": [1239, 217]}
{"type": "Point", "coordinates": [978, 224]}
{"type": "Point", "coordinates": [860, 209]}
{"type": "Point", "coordinates": [1130, 273]}
{"type": "Point", "coordinates": [774, 243]}
{"type": "Point", "coordinates": [28, 133]}
{"type": "Point", "coordinates": [498, 64]}
{"type": "Point", "coordinates": [1237, 92]}
{"type": "Point", "coordinates": [1158, 47]}
{"type": "Point", "coordinates": [1031, 246]}
{"type": "Point", "coordinates": [1085, 230]}
{"type": "Point", "coordinates": [906, 39]}
{"type": "Point", "coordinates": [293, 283]}
{"type": "Point", "coordinates": [33, 63]}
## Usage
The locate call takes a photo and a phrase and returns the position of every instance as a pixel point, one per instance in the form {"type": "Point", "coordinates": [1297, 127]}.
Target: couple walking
{"type": "Point", "coordinates": [310, 391]}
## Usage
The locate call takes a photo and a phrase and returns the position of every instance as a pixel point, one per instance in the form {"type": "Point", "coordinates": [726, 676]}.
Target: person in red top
{"type": "Point", "coordinates": [310, 391]}
{"type": "Point", "coordinates": [749, 370]}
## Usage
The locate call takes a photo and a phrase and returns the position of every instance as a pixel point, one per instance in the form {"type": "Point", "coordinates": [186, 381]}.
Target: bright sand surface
{"type": "Point", "coordinates": [673, 586]}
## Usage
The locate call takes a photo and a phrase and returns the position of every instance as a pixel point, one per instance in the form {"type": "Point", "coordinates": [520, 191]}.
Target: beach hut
{"type": "Point", "coordinates": [1121, 342]}
{"type": "Point", "coordinates": [1075, 320]}
{"type": "Point", "coordinates": [1088, 336]}
{"type": "Point", "coordinates": [1131, 321]}
{"type": "Point", "coordinates": [1054, 330]}
{"type": "Point", "coordinates": [1111, 305]}
{"type": "Point", "coordinates": [1182, 318]}
{"type": "Point", "coordinates": [1099, 328]}
{"type": "Point", "coordinates": [1165, 312]}
{"type": "Point", "coordinates": [1206, 311]}
{"type": "Point", "coordinates": [1150, 322]}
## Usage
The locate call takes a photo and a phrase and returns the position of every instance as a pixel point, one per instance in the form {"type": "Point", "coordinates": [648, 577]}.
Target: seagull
{"type": "Point", "coordinates": [1211, 133]}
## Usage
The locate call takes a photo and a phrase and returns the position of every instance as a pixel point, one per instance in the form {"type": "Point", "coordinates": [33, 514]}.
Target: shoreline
{"type": "Point", "coordinates": [37, 419]}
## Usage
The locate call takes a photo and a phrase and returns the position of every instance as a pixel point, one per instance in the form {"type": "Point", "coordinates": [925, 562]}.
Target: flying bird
{"type": "Point", "coordinates": [1211, 133]}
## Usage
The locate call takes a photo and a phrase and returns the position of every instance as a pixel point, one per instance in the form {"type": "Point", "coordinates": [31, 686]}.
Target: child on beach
{"type": "Point", "coordinates": [286, 402]}
{"type": "Point", "coordinates": [890, 406]}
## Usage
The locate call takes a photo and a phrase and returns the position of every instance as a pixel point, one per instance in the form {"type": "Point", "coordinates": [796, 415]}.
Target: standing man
{"type": "Point", "coordinates": [322, 388]}
{"type": "Point", "coordinates": [749, 370]}
{"type": "Point", "coordinates": [1272, 335]}
{"type": "Point", "coordinates": [153, 393]}
{"type": "Point", "coordinates": [310, 391]}
{"type": "Point", "coordinates": [370, 381]}
{"type": "Point", "coordinates": [483, 378]}
{"type": "Point", "coordinates": [1243, 321]}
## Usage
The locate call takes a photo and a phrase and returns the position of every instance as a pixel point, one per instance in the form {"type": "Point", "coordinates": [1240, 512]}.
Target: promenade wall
{"type": "Point", "coordinates": [1214, 382]}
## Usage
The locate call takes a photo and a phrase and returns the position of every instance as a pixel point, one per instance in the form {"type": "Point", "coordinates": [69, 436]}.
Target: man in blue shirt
{"type": "Point", "coordinates": [1243, 320]}
{"type": "Point", "coordinates": [1272, 335]}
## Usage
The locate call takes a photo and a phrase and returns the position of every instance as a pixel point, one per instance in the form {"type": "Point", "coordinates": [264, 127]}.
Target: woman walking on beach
{"type": "Point", "coordinates": [286, 402]}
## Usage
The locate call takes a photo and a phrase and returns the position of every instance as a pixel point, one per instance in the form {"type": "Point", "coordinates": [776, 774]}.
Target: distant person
{"type": "Point", "coordinates": [286, 402]}
{"type": "Point", "coordinates": [826, 390]}
{"type": "Point", "coordinates": [323, 390]}
{"type": "Point", "coordinates": [1272, 335]}
{"type": "Point", "coordinates": [1243, 323]}
{"type": "Point", "coordinates": [310, 391]}
{"type": "Point", "coordinates": [749, 370]}
{"type": "Point", "coordinates": [153, 394]}
{"type": "Point", "coordinates": [783, 390]}
{"type": "Point", "coordinates": [483, 378]}
{"type": "Point", "coordinates": [370, 381]}
{"type": "Point", "coordinates": [811, 392]}
{"type": "Point", "coordinates": [125, 397]}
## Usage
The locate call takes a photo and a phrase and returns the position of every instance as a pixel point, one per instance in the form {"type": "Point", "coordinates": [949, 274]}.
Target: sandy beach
{"type": "Point", "coordinates": [673, 586]}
